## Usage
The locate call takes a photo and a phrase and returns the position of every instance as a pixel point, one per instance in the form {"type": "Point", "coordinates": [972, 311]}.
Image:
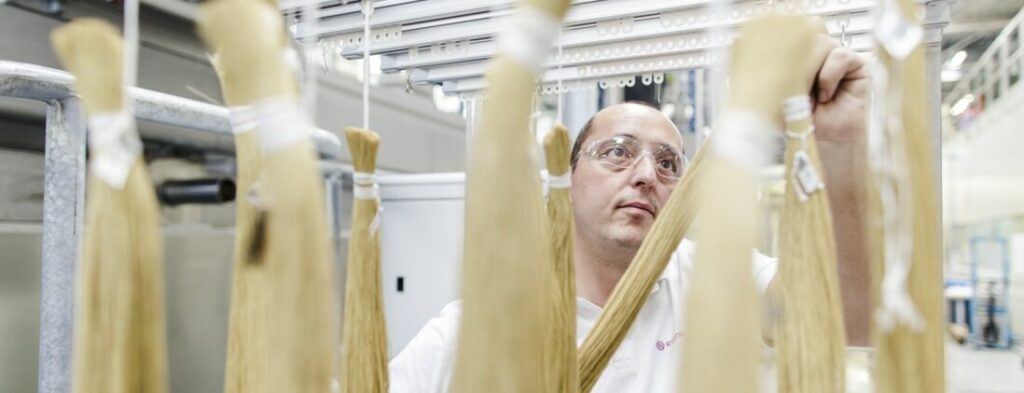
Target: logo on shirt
{"type": "Point", "coordinates": [662, 345]}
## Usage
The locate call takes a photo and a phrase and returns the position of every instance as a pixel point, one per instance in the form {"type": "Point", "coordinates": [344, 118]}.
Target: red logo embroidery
{"type": "Point", "coordinates": [663, 345]}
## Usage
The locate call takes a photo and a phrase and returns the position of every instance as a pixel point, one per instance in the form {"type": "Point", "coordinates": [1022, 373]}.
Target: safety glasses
{"type": "Point", "coordinates": [624, 151]}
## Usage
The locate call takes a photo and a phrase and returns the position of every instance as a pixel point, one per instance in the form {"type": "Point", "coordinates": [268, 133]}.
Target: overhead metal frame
{"type": "Point", "coordinates": [449, 42]}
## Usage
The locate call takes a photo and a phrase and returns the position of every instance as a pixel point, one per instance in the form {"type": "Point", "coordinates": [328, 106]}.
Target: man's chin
{"type": "Point", "coordinates": [630, 237]}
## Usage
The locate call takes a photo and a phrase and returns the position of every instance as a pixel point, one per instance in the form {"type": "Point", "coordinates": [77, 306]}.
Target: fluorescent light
{"type": "Point", "coordinates": [961, 105]}
{"type": "Point", "coordinates": [957, 60]}
{"type": "Point", "coordinates": [951, 75]}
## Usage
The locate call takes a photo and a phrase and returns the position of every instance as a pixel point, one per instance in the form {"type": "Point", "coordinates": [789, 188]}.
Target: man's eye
{"type": "Point", "coordinates": [668, 164]}
{"type": "Point", "coordinates": [615, 152]}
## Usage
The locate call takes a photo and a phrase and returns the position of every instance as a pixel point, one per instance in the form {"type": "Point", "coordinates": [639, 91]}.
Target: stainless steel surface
{"type": "Point", "coordinates": [63, 211]}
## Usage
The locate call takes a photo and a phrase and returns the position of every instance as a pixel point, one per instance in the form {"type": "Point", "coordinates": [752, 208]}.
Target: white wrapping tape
{"type": "Point", "coordinates": [366, 192]}
{"type": "Point", "coordinates": [746, 138]}
{"type": "Point", "coordinates": [796, 108]}
{"type": "Point", "coordinates": [114, 145]}
{"type": "Point", "coordinates": [527, 39]}
{"type": "Point", "coordinates": [280, 123]}
{"type": "Point", "coordinates": [563, 181]}
{"type": "Point", "coordinates": [243, 119]}
{"type": "Point", "coordinates": [364, 177]}
{"type": "Point", "coordinates": [365, 187]}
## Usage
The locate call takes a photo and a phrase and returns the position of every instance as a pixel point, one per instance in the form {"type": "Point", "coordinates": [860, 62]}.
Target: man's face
{"type": "Point", "coordinates": [619, 205]}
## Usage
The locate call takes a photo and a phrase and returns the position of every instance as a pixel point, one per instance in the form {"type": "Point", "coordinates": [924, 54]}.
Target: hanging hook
{"type": "Point", "coordinates": [844, 24]}
{"type": "Point", "coordinates": [325, 47]}
{"type": "Point", "coordinates": [367, 10]}
{"type": "Point", "coordinates": [559, 91]}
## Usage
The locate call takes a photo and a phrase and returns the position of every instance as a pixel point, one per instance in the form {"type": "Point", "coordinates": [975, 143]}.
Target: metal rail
{"type": "Point", "coordinates": [995, 72]}
{"type": "Point", "coordinates": [203, 126]}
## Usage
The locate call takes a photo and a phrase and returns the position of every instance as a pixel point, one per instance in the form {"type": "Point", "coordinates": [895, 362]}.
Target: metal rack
{"type": "Point", "coordinates": [604, 42]}
{"type": "Point", "coordinates": [994, 76]}
{"type": "Point", "coordinates": [204, 126]}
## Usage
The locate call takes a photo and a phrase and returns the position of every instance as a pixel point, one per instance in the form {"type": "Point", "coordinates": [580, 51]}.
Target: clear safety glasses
{"type": "Point", "coordinates": [624, 151]}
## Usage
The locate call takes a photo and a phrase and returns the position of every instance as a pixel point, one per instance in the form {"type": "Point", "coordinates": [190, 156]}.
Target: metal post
{"type": "Point", "coordinates": [333, 187]}
{"type": "Point", "coordinates": [63, 211]}
{"type": "Point", "coordinates": [698, 110]}
{"type": "Point", "coordinates": [472, 116]}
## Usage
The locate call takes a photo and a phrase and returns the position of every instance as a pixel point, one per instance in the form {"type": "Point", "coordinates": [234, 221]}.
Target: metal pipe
{"type": "Point", "coordinates": [204, 126]}
{"type": "Point", "coordinates": [63, 217]}
{"type": "Point", "coordinates": [196, 191]}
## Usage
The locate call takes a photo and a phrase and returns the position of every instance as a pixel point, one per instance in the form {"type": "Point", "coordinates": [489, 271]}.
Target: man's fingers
{"type": "Point", "coordinates": [819, 52]}
{"type": "Point", "coordinates": [839, 63]}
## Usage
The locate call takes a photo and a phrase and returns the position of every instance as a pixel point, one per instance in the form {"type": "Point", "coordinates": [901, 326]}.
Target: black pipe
{"type": "Point", "coordinates": [198, 191]}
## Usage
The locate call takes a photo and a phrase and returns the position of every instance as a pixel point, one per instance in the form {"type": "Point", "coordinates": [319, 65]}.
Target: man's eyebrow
{"type": "Point", "coordinates": [673, 148]}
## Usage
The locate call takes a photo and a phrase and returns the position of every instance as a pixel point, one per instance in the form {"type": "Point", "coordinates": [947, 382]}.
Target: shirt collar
{"type": "Point", "coordinates": [588, 309]}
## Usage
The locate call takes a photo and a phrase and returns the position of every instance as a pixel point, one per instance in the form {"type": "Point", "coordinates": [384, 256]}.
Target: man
{"type": "Point", "coordinates": [615, 203]}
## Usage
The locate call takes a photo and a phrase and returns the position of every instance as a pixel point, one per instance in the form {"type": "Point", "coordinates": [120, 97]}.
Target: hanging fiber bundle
{"type": "Point", "coordinates": [810, 338]}
{"type": "Point", "coordinates": [507, 259]}
{"type": "Point", "coordinates": [246, 367]}
{"type": "Point", "coordinates": [631, 292]}
{"type": "Point", "coordinates": [293, 242]}
{"type": "Point", "coordinates": [722, 326]}
{"type": "Point", "coordinates": [120, 332]}
{"type": "Point", "coordinates": [562, 366]}
{"type": "Point", "coordinates": [907, 256]}
{"type": "Point", "coordinates": [364, 334]}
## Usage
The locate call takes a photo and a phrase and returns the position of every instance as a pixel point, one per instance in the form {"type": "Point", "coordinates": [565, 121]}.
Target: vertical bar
{"type": "Point", "coordinates": [471, 117]}
{"type": "Point", "coordinates": [63, 211]}
{"type": "Point", "coordinates": [1020, 44]}
{"type": "Point", "coordinates": [698, 110]}
{"type": "Point", "coordinates": [333, 189]}
{"type": "Point", "coordinates": [1004, 66]}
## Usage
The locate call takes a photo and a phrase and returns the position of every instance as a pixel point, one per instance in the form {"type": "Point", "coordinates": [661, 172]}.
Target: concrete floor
{"type": "Point", "coordinates": [970, 370]}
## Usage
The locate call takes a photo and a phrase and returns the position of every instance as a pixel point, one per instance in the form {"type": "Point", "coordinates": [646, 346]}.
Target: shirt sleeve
{"type": "Point", "coordinates": [765, 268]}
{"type": "Point", "coordinates": [425, 364]}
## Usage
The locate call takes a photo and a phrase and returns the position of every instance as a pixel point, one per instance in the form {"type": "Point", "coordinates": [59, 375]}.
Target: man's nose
{"type": "Point", "coordinates": [644, 171]}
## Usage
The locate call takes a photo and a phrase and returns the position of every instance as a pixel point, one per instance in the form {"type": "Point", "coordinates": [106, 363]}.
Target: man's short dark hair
{"type": "Point", "coordinates": [588, 129]}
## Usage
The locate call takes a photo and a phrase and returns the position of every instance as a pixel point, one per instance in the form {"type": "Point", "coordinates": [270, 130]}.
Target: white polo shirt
{"type": "Point", "coordinates": [646, 361]}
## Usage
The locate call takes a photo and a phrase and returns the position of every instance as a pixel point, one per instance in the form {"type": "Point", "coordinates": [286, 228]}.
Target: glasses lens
{"type": "Point", "coordinates": [624, 151]}
{"type": "Point", "coordinates": [617, 152]}
{"type": "Point", "coordinates": [668, 163]}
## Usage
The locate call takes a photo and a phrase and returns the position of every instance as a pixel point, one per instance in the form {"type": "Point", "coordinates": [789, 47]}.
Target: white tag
{"type": "Point", "coordinates": [805, 178]}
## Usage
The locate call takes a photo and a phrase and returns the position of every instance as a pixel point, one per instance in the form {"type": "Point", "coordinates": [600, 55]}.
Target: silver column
{"type": "Point", "coordinates": [63, 211]}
